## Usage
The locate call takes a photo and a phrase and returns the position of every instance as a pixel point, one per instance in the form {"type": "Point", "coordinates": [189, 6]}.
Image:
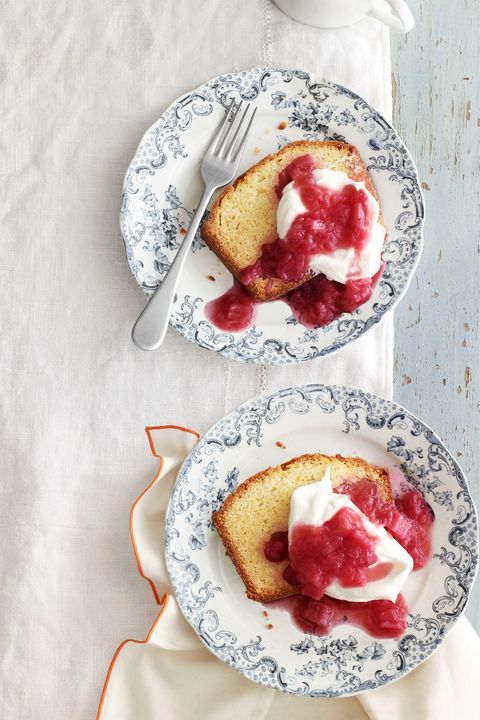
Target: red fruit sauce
{"type": "Point", "coordinates": [320, 300]}
{"type": "Point", "coordinates": [232, 311]}
{"type": "Point", "coordinates": [379, 618]}
{"type": "Point", "coordinates": [276, 549]}
{"type": "Point", "coordinates": [408, 519]}
{"type": "Point", "coordinates": [333, 220]}
{"type": "Point", "coordinates": [341, 549]}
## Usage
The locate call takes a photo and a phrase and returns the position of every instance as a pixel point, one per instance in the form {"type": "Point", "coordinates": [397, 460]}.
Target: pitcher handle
{"type": "Point", "coordinates": [402, 22]}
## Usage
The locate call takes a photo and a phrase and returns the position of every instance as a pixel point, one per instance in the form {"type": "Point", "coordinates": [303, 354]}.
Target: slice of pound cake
{"type": "Point", "coordinates": [260, 506]}
{"type": "Point", "coordinates": [244, 216]}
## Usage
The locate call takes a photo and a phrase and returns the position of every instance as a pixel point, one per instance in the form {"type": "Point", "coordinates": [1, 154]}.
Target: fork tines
{"type": "Point", "coordinates": [227, 143]}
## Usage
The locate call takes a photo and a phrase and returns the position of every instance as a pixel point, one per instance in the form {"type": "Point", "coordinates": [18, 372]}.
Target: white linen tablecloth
{"type": "Point", "coordinates": [81, 81]}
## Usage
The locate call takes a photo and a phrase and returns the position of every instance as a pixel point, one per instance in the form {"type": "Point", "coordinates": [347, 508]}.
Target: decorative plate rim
{"type": "Point", "coordinates": [341, 393]}
{"type": "Point", "coordinates": [317, 347]}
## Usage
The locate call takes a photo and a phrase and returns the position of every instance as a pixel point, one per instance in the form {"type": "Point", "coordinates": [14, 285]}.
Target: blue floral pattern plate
{"type": "Point", "coordinates": [328, 419]}
{"type": "Point", "coordinates": [163, 185]}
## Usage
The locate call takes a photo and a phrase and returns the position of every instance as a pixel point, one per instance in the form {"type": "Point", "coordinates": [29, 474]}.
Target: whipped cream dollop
{"type": "Point", "coordinates": [316, 503]}
{"type": "Point", "coordinates": [345, 263]}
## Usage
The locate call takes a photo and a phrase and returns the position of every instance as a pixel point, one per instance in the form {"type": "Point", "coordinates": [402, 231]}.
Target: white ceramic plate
{"type": "Point", "coordinates": [327, 419]}
{"type": "Point", "coordinates": [163, 185]}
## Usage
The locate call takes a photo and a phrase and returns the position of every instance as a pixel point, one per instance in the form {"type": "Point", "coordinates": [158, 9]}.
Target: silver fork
{"type": "Point", "coordinates": [218, 168]}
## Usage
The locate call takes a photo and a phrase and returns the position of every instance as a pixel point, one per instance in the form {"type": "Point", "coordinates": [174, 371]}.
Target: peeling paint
{"type": "Point", "coordinates": [468, 376]}
{"type": "Point", "coordinates": [438, 112]}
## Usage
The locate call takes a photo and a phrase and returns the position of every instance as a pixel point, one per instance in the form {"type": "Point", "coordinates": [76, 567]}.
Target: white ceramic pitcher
{"type": "Point", "coordinates": [338, 13]}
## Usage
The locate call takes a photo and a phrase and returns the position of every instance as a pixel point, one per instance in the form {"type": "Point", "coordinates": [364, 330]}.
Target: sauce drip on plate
{"type": "Point", "coordinates": [233, 311]}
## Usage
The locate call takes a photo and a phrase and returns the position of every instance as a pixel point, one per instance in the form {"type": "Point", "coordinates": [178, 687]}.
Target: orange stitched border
{"type": "Point", "coordinates": [155, 454]}
{"type": "Point", "coordinates": [163, 603]}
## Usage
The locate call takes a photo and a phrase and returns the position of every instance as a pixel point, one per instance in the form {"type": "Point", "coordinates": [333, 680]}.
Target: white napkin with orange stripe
{"type": "Point", "coordinates": [172, 675]}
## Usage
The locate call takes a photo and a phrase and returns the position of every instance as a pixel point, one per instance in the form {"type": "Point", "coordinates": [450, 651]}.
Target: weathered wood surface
{"type": "Point", "coordinates": [437, 112]}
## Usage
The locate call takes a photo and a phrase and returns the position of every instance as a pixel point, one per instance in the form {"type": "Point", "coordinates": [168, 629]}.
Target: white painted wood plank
{"type": "Point", "coordinates": [437, 112]}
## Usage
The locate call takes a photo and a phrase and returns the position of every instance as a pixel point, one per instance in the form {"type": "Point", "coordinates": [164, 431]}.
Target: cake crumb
{"type": "Point", "coordinates": [282, 125]}
{"type": "Point", "coordinates": [280, 444]}
{"type": "Point", "coordinates": [183, 231]}
{"type": "Point", "coordinates": [257, 150]}
{"type": "Point", "coordinates": [269, 626]}
{"type": "Point", "coordinates": [265, 613]}
{"type": "Point", "coordinates": [211, 277]}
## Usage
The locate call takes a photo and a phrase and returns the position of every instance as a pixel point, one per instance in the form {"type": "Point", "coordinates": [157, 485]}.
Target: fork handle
{"type": "Point", "coordinates": [149, 331]}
